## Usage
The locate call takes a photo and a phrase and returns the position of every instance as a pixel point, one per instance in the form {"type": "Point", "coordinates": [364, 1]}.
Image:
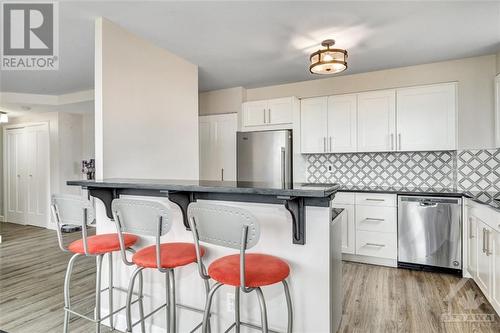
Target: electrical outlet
{"type": "Point", "coordinates": [230, 302]}
{"type": "Point", "coordinates": [329, 167]}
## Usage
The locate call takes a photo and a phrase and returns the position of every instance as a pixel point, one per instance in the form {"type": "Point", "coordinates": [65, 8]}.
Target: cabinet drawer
{"type": "Point", "coordinates": [344, 198]}
{"type": "Point", "coordinates": [376, 244]}
{"type": "Point", "coordinates": [376, 199]}
{"type": "Point", "coordinates": [373, 218]}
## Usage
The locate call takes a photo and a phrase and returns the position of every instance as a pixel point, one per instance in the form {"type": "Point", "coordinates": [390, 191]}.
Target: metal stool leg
{"type": "Point", "coordinates": [97, 310]}
{"type": "Point", "coordinates": [110, 289]}
{"type": "Point", "coordinates": [237, 309]}
{"type": "Point", "coordinates": [141, 303]}
{"type": "Point", "coordinates": [289, 307]}
{"type": "Point", "coordinates": [167, 301]}
{"type": "Point", "coordinates": [130, 292]}
{"type": "Point", "coordinates": [173, 321]}
{"type": "Point", "coordinates": [263, 311]}
{"type": "Point", "coordinates": [206, 314]}
{"type": "Point", "coordinates": [207, 291]}
{"type": "Point", "coordinates": [67, 299]}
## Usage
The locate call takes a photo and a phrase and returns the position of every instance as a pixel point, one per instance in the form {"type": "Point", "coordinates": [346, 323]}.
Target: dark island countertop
{"type": "Point", "coordinates": [240, 187]}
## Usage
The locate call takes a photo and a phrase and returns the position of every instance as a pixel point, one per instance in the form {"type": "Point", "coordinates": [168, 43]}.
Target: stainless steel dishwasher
{"type": "Point", "coordinates": [430, 233]}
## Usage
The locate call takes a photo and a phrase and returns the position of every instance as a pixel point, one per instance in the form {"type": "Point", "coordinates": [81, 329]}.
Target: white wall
{"type": "Point", "coordinates": [1, 171]}
{"type": "Point", "coordinates": [146, 108]}
{"type": "Point", "coordinates": [475, 91]}
{"type": "Point", "coordinates": [498, 62]}
{"type": "Point", "coordinates": [88, 135]}
{"type": "Point", "coordinates": [70, 150]}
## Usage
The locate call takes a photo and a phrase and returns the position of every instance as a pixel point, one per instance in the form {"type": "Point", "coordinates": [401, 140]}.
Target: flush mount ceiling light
{"type": "Point", "coordinates": [4, 118]}
{"type": "Point", "coordinates": [328, 61]}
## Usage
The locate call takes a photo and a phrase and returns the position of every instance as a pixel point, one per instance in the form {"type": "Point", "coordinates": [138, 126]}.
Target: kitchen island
{"type": "Point", "coordinates": [297, 224]}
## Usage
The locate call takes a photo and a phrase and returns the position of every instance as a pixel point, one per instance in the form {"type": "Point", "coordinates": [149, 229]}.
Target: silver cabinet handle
{"type": "Point", "coordinates": [222, 174]}
{"type": "Point", "coordinates": [268, 116]}
{"type": "Point", "coordinates": [375, 244]}
{"type": "Point", "coordinates": [470, 228]}
{"type": "Point", "coordinates": [374, 219]}
{"type": "Point", "coordinates": [399, 138]}
{"type": "Point", "coordinates": [379, 200]}
{"type": "Point", "coordinates": [330, 144]}
{"type": "Point", "coordinates": [488, 250]}
{"type": "Point", "coordinates": [265, 122]}
{"type": "Point", "coordinates": [324, 144]}
{"type": "Point", "coordinates": [484, 240]}
{"type": "Point", "coordinates": [392, 141]}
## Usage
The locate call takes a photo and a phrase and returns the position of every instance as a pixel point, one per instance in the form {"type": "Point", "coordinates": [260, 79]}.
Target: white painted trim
{"type": "Point", "coordinates": [2, 218]}
{"type": "Point", "coordinates": [370, 260]}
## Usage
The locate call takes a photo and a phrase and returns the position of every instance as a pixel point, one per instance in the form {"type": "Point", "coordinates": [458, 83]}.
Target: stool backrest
{"type": "Point", "coordinates": [72, 209]}
{"type": "Point", "coordinates": [142, 217]}
{"type": "Point", "coordinates": [223, 225]}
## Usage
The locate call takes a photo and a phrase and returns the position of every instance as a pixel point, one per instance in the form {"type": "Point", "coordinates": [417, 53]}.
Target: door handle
{"type": "Point", "coordinates": [379, 200]}
{"type": "Point", "coordinates": [470, 228]}
{"type": "Point", "coordinates": [324, 144]}
{"type": "Point", "coordinates": [399, 138]}
{"type": "Point", "coordinates": [488, 250]}
{"type": "Point", "coordinates": [392, 141]}
{"type": "Point", "coordinates": [265, 122]}
{"type": "Point", "coordinates": [330, 144]}
{"type": "Point", "coordinates": [283, 165]}
{"type": "Point", "coordinates": [268, 116]}
{"type": "Point", "coordinates": [222, 174]}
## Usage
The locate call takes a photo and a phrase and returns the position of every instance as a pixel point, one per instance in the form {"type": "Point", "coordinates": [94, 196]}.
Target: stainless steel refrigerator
{"type": "Point", "coordinates": [264, 156]}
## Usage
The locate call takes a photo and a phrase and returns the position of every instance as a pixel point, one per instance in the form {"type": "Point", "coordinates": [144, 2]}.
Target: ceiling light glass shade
{"type": "Point", "coordinates": [328, 61]}
{"type": "Point", "coordinates": [4, 118]}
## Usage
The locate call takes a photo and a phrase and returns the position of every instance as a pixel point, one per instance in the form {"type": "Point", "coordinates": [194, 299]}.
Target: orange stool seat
{"type": "Point", "coordinates": [104, 243]}
{"type": "Point", "coordinates": [172, 255]}
{"type": "Point", "coordinates": [261, 270]}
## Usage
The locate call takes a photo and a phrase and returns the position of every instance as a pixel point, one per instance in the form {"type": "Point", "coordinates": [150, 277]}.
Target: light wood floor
{"type": "Point", "coordinates": [377, 299]}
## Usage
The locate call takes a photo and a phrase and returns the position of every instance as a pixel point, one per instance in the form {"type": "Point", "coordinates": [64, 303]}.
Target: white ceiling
{"type": "Point", "coordinates": [255, 44]}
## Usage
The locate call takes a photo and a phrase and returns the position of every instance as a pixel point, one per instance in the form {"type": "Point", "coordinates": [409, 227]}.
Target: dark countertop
{"type": "Point", "coordinates": [491, 199]}
{"type": "Point", "coordinates": [261, 188]}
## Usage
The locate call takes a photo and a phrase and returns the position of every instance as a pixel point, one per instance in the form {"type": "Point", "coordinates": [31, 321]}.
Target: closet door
{"type": "Point", "coordinates": [37, 175]}
{"type": "Point", "coordinates": [14, 175]}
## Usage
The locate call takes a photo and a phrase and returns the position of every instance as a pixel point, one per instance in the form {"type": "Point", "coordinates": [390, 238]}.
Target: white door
{"type": "Point", "coordinates": [280, 111]}
{"type": "Point", "coordinates": [254, 113]}
{"type": "Point", "coordinates": [497, 111]}
{"type": "Point", "coordinates": [376, 121]}
{"type": "Point", "coordinates": [495, 298]}
{"type": "Point", "coordinates": [348, 228]}
{"type": "Point", "coordinates": [342, 111]}
{"type": "Point", "coordinates": [14, 172]}
{"type": "Point", "coordinates": [472, 246]}
{"type": "Point", "coordinates": [227, 125]}
{"type": "Point", "coordinates": [313, 125]}
{"type": "Point", "coordinates": [484, 263]}
{"type": "Point", "coordinates": [218, 147]}
{"type": "Point", "coordinates": [27, 175]}
{"type": "Point", "coordinates": [426, 117]}
{"type": "Point", "coordinates": [37, 175]}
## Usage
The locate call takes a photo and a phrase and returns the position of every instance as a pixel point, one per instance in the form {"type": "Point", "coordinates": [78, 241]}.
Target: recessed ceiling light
{"type": "Point", "coordinates": [4, 118]}
{"type": "Point", "coordinates": [328, 60]}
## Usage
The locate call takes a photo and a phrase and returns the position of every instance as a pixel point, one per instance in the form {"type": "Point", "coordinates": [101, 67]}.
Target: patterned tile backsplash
{"type": "Point", "coordinates": [478, 170]}
{"type": "Point", "coordinates": [469, 170]}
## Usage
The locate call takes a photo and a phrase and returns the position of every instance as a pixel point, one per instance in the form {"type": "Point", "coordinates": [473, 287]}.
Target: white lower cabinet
{"type": "Point", "coordinates": [483, 250]}
{"type": "Point", "coordinates": [369, 227]}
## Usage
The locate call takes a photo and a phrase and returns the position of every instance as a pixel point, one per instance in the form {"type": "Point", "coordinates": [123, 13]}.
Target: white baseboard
{"type": "Point", "coordinates": [370, 260]}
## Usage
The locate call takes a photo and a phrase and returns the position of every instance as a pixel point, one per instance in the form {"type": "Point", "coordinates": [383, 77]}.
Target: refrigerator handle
{"type": "Point", "coordinates": [283, 165]}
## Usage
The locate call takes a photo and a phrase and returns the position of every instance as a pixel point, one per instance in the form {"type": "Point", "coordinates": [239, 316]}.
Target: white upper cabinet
{"type": "Point", "coordinates": [376, 121]}
{"type": "Point", "coordinates": [313, 125]}
{"type": "Point", "coordinates": [342, 111]}
{"type": "Point", "coordinates": [268, 114]}
{"type": "Point", "coordinates": [254, 113]}
{"type": "Point", "coordinates": [426, 117]}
